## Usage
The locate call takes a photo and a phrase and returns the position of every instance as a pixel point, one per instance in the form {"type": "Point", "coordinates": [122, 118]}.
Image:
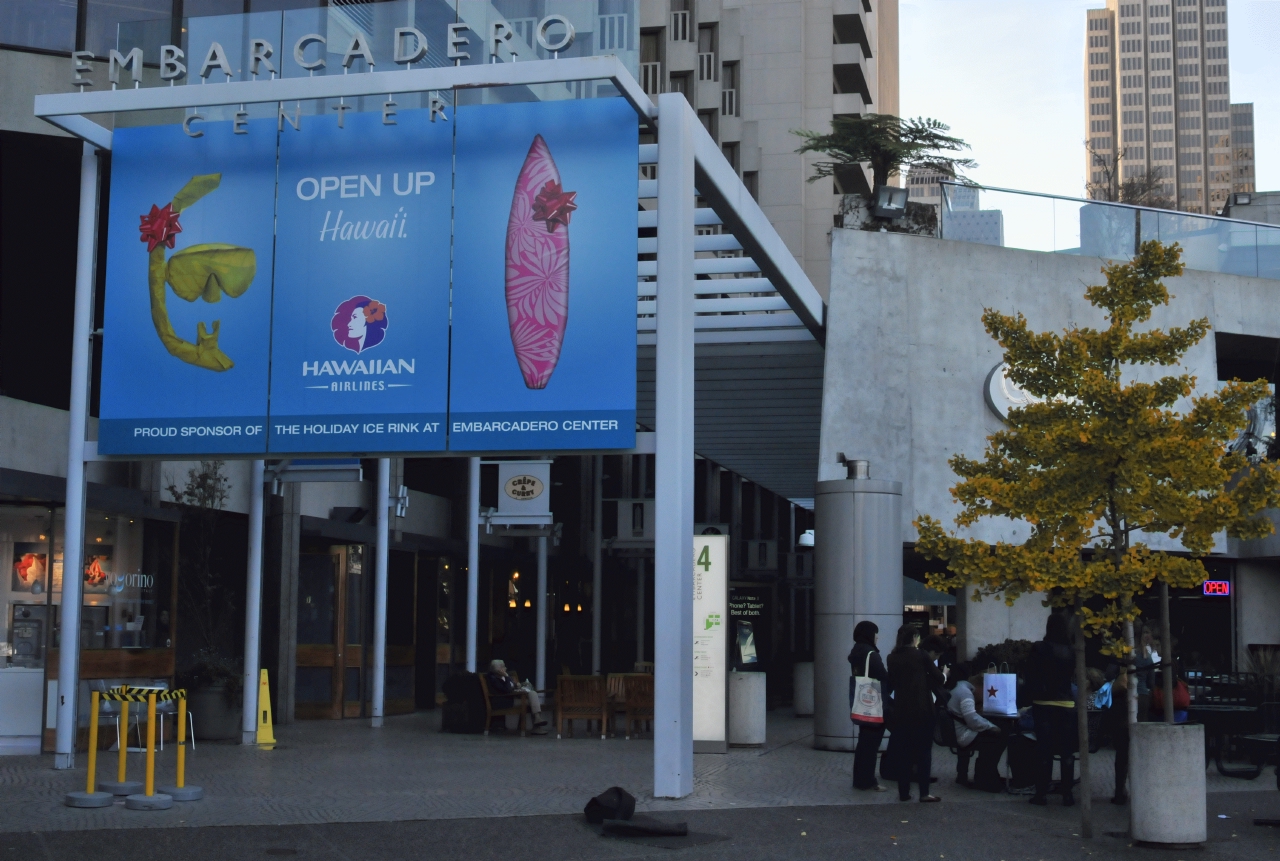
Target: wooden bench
{"type": "Point", "coordinates": [520, 706]}
{"type": "Point", "coordinates": [581, 698]}
{"type": "Point", "coordinates": [638, 701]}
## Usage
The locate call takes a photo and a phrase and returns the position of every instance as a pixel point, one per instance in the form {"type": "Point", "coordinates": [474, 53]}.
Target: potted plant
{"type": "Point", "coordinates": [215, 690]}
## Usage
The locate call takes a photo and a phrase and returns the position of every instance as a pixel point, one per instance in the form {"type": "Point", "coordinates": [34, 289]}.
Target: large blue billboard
{"type": "Point", "coordinates": [544, 278]}
{"type": "Point", "coordinates": [370, 282]}
{"type": "Point", "coordinates": [187, 326]}
{"type": "Point", "coordinates": [360, 330]}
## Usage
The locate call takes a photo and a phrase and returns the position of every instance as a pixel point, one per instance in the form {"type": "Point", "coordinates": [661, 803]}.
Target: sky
{"type": "Point", "coordinates": [1007, 76]}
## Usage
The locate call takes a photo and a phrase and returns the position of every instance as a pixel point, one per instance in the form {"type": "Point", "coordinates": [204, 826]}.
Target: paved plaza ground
{"type": "Point", "coordinates": [340, 790]}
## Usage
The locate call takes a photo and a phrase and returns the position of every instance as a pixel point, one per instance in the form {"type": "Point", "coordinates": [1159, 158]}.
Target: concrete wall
{"type": "Point", "coordinates": [907, 355]}
{"type": "Point", "coordinates": [1257, 595]}
{"type": "Point", "coordinates": [991, 620]}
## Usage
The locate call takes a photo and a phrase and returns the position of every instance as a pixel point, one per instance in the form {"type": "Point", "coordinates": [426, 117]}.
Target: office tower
{"type": "Point", "coordinates": [755, 70]}
{"type": "Point", "coordinates": [1242, 148]}
{"type": "Point", "coordinates": [1158, 101]}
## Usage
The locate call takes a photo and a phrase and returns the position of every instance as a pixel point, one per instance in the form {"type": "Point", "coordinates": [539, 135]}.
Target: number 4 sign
{"type": "Point", "coordinates": [710, 646]}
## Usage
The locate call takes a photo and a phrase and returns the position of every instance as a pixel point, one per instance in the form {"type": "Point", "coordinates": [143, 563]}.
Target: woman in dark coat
{"type": "Point", "coordinates": [916, 684]}
{"type": "Point", "coordinates": [869, 735]}
{"type": "Point", "coordinates": [1053, 708]}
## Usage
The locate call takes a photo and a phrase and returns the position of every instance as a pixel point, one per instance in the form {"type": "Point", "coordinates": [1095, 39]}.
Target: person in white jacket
{"type": "Point", "coordinates": [975, 733]}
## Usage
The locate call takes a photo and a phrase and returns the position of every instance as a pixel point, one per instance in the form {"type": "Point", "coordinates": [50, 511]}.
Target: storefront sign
{"type": "Point", "coordinates": [710, 645]}
{"type": "Point", "coordinates": [524, 487]}
{"type": "Point", "coordinates": [752, 635]}
{"type": "Point", "coordinates": [312, 257]}
{"type": "Point", "coordinates": [1217, 588]}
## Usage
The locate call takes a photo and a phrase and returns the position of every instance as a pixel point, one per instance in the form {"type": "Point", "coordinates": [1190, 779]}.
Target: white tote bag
{"type": "Point", "coordinates": [999, 692]}
{"type": "Point", "coordinates": [867, 706]}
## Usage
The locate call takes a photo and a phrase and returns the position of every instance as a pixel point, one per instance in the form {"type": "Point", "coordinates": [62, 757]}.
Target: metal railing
{"type": "Point", "coordinates": [651, 78]}
{"type": "Point", "coordinates": [729, 103]}
{"type": "Point", "coordinates": [1095, 228]}
{"type": "Point", "coordinates": [707, 66]}
{"type": "Point", "coordinates": [680, 30]}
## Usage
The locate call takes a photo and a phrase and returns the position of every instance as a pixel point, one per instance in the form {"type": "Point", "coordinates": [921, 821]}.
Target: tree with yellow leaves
{"type": "Point", "coordinates": [1102, 456]}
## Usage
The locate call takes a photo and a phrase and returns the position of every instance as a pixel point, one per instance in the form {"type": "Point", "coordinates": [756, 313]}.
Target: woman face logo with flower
{"type": "Point", "coordinates": [359, 323]}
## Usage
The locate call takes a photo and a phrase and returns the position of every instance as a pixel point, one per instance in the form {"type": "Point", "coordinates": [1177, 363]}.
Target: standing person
{"type": "Point", "coordinates": [1053, 708]}
{"type": "Point", "coordinates": [1116, 720]}
{"type": "Point", "coordinates": [865, 658]}
{"type": "Point", "coordinates": [915, 684]}
{"type": "Point", "coordinates": [975, 734]}
{"type": "Point", "coordinates": [1144, 661]}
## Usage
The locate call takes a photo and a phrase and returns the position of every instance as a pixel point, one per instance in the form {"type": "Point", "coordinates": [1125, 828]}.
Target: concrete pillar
{"type": "Point", "coordinates": [473, 560]}
{"type": "Point", "coordinates": [253, 608]}
{"type": "Point", "coordinates": [286, 528]}
{"type": "Point", "coordinates": [73, 544]}
{"type": "Point", "coordinates": [383, 505]}
{"type": "Point", "coordinates": [540, 675]}
{"type": "Point", "coordinates": [857, 575]}
{"type": "Point", "coordinates": [597, 562]}
{"type": "Point", "coordinates": [674, 409]}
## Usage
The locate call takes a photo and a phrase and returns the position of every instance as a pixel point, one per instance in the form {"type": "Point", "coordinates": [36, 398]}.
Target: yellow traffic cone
{"type": "Point", "coordinates": [266, 737]}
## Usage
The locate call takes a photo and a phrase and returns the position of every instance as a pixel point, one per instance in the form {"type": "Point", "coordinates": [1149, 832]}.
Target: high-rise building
{"type": "Point", "coordinates": [1242, 148]}
{"type": "Point", "coordinates": [755, 70]}
{"type": "Point", "coordinates": [1158, 100]}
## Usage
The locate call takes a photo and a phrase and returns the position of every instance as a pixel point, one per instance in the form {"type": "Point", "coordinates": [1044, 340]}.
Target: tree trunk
{"type": "Point", "coordinates": [1085, 799]}
{"type": "Point", "coordinates": [1166, 653]}
{"type": "Point", "coordinates": [1131, 685]}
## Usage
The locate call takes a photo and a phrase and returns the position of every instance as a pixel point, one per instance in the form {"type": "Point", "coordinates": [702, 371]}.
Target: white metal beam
{"type": "Point", "coordinates": [253, 607]}
{"type": "Point", "coordinates": [73, 544]}
{"type": "Point", "coordinates": [674, 409]}
{"type": "Point", "coordinates": [383, 503]}
{"type": "Point", "coordinates": [60, 105]}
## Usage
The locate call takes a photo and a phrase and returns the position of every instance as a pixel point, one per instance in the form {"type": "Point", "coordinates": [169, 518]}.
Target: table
{"type": "Point", "coordinates": [1221, 722]}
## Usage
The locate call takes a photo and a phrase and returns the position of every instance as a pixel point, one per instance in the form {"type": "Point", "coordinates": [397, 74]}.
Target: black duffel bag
{"type": "Point", "coordinates": [614, 803]}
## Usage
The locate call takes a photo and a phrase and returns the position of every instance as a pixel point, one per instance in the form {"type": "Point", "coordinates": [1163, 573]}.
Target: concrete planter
{"type": "Point", "coordinates": [1167, 784]}
{"type": "Point", "coordinates": [746, 709]}
{"type": "Point", "coordinates": [215, 715]}
{"type": "Point", "coordinates": [802, 688]}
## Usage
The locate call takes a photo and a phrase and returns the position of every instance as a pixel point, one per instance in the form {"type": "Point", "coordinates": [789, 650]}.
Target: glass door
{"type": "Point", "coordinates": [320, 654]}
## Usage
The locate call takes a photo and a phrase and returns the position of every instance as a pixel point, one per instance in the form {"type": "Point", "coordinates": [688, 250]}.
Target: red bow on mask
{"type": "Point", "coordinates": [160, 227]}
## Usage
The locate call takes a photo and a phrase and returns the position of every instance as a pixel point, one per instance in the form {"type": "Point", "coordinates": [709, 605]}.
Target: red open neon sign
{"type": "Point", "coordinates": [1217, 587]}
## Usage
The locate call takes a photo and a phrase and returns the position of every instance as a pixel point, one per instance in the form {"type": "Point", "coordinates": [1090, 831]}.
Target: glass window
{"type": "Point", "coordinates": [45, 24]}
{"type": "Point", "coordinates": [24, 588]}
{"type": "Point", "coordinates": [104, 18]}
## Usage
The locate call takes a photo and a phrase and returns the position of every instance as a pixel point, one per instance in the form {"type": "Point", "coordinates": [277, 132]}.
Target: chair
{"type": "Point", "coordinates": [639, 700]}
{"type": "Point", "coordinates": [170, 707]}
{"type": "Point", "coordinates": [581, 698]}
{"type": "Point", "coordinates": [519, 708]}
{"type": "Point", "coordinates": [644, 667]}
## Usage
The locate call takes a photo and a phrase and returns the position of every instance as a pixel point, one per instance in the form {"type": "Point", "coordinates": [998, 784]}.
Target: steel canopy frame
{"type": "Point", "coordinates": [687, 151]}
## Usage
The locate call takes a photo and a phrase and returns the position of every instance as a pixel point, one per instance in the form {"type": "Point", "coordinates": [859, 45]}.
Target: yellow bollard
{"type": "Point", "coordinates": [180, 791]}
{"type": "Point", "coordinates": [93, 742]}
{"type": "Point", "coordinates": [182, 742]}
{"type": "Point", "coordinates": [124, 740]}
{"type": "Point", "coordinates": [151, 744]}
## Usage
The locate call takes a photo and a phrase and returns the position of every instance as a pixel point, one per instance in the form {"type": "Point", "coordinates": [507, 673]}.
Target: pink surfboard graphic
{"type": "Point", "coordinates": [537, 271]}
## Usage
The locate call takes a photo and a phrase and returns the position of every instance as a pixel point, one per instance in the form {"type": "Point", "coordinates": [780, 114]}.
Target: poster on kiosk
{"type": "Point", "coordinates": [187, 320]}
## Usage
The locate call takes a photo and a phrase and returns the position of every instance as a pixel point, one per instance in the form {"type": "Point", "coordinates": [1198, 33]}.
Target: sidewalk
{"type": "Point", "coordinates": [344, 771]}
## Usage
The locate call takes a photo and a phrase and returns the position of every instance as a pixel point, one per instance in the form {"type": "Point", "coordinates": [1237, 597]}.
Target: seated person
{"type": "Point", "coordinates": [501, 682]}
{"type": "Point", "coordinates": [975, 733]}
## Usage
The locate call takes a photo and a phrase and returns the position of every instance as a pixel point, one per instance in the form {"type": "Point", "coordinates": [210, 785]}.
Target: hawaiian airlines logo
{"type": "Point", "coordinates": [359, 323]}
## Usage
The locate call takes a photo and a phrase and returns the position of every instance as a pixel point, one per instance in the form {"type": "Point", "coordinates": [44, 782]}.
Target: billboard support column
{"type": "Point", "coordinates": [541, 671]}
{"type": "Point", "coordinates": [597, 578]}
{"type": "Point", "coordinates": [473, 558]}
{"type": "Point", "coordinates": [253, 608]}
{"type": "Point", "coordinates": [383, 504]}
{"type": "Point", "coordinates": [673, 533]}
{"type": "Point", "coordinates": [73, 542]}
